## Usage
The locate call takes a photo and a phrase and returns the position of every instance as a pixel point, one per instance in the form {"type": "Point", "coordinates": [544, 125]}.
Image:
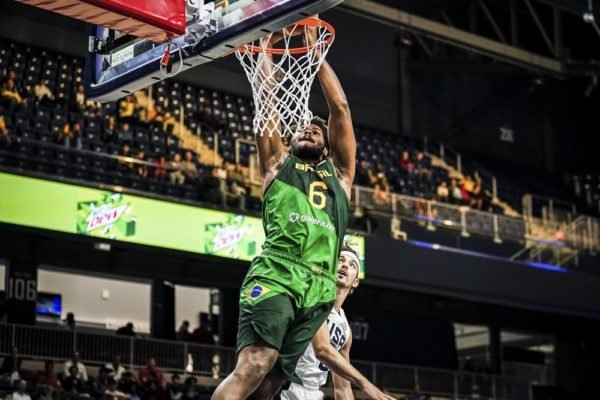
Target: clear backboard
{"type": "Point", "coordinates": [118, 64]}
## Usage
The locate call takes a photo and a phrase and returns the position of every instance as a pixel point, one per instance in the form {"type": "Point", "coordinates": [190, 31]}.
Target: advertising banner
{"type": "Point", "coordinates": [99, 213]}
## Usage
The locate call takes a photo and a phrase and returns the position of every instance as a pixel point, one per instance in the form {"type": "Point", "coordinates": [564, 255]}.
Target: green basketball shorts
{"type": "Point", "coordinates": [283, 303]}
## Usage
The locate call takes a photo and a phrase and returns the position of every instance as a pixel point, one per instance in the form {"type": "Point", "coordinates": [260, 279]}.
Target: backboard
{"type": "Point", "coordinates": [118, 64]}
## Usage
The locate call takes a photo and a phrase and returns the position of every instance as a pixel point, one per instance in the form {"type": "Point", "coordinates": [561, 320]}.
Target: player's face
{"type": "Point", "coordinates": [347, 272]}
{"type": "Point", "coordinates": [309, 143]}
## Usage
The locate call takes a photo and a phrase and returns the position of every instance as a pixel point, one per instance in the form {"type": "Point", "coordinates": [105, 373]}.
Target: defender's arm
{"type": "Point", "coordinates": [342, 142]}
{"type": "Point", "coordinates": [326, 353]}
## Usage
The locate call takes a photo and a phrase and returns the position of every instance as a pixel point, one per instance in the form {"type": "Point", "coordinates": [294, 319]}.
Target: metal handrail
{"type": "Point", "coordinates": [41, 343]}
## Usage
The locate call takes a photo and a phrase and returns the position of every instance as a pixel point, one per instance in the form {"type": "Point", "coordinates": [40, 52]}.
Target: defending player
{"type": "Point", "coordinates": [290, 288]}
{"type": "Point", "coordinates": [330, 348]}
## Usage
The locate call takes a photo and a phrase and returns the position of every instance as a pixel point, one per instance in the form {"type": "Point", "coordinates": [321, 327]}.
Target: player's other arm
{"type": "Point", "coordinates": [327, 354]}
{"type": "Point", "coordinates": [342, 142]}
{"type": "Point", "coordinates": [342, 389]}
{"type": "Point", "coordinates": [270, 147]}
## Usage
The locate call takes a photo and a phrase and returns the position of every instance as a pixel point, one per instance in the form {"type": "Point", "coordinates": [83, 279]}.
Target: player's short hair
{"type": "Point", "coordinates": [348, 245]}
{"type": "Point", "coordinates": [322, 124]}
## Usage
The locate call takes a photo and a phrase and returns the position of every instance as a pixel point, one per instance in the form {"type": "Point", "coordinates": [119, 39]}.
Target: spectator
{"type": "Point", "coordinates": [112, 393]}
{"type": "Point", "coordinates": [405, 163]}
{"type": "Point", "coordinates": [70, 134]}
{"type": "Point", "coordinates": [417, 395]}
{"type": "Point", "coordinates": [69, 322]}
{"type": "Point", "coordinates": [381, 193]}
{"type": "Point", "coordinates": [466, 185]}
{"type": "Point", "coordinates": [5, 139]}
{"type": "Point", "coordinates": [202, 334]}
{"type": "Point", "coordinates": [127, 108]}
{"type": "Point", "coordinates": [241, 177]}
{"type": "Point", "coordinates": [101, 382]}
{"type": "Point", "coordinates": [174, 389]}
{"type": "Point", "coordinates": [237, 194]}
{"type": "Point", "coordinates": [141, 169]}
{"type": "Point", "coordinates": [12, 74]}
{"type": "Point", "coordinates": [189, 168]}
{"type": "Point", "coordinates": [49, 378]}
{"type": "Point", "coordinates": [422, 165]}
{"type": "Point", "coordinates": [21, 392]}
{"type": "Point", "coordinates": [183, 333]}
{"type": "Point", "coordinates": [160, 168]}
{"type": "Point", "coordinates": [126, 330]}
{"type": "Point", "coordinates": [128, 384]}
{"type": "Point", "coordinates": [11, 365]}
{"type": "Point", "coordinates": [124, 165]}
{"type": "Point", "coordinates": [110, 130]}
{"type": "Point", "coordinates": [477, 194]}
{"type": "Point", "coordinates": [156, 116]}
{"type": "Point", "coordinates": [150, 372]}
{"type": "Point", "coordinates": [125, 134]}
{"type": "Point", "coordinates": [176, 175]}
{"type": "Point", "coordinates": [168, 122]}
{"type": "Point", "coordinates": [442, 191]}
{"type": "Point", "coordinates": [115, 368]}
{"type": "Point", "coordinates": [190, 392]}
{"type": "Point", "coordinates": [11, 96]}
{"type": "Point", "coordinates": [72, 382]}
{"type": "Point", "coordinates": [80, 102]}
{"type": "Point", "coordinates": [76, 363]}
{"type": "Point", "coordinates": [42, 93]}
{"type": "Point", "coordinates": [364, 175]}
{"type": "Point", "coordinates": [455, 192]}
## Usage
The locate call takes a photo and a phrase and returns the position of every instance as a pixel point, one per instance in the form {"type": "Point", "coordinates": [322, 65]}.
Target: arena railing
{"type": "Point", "coordinates": [44, 343]}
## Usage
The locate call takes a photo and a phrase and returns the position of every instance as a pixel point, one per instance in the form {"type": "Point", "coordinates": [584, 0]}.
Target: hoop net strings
{"type": "Point", "coordinates": [281, 83]}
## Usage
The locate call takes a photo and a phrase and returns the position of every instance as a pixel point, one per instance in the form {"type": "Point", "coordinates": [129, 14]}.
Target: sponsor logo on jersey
{"type": "Point", "coordinates": [309, 219]}
{"type": "Point", "coordinates": [257, 291]}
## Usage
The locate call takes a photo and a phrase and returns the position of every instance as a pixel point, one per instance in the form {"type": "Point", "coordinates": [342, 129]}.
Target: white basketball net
{"type": "Point", "coordinates": [281, 83]}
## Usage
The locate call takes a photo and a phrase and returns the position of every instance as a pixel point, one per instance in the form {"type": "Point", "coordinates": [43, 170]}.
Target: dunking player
{"type": "Point", "coordinates": [330, 348]}
{"type": "Point", "coordinates": [290, 288]}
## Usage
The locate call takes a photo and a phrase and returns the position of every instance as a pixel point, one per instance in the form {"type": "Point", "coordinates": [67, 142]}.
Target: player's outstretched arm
{"type": "Point", "coordinates": [342, 142]}
{"type": "Point", "coordinates": [270, 147]}
{"type": "Point", "coordinates": [342, 389]}
{"type": "Point", "coordinates": [327, 354]}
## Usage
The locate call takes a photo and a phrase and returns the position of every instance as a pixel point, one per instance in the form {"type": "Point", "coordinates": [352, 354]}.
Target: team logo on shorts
{"type": "Point", "coordinates": [256, 291]}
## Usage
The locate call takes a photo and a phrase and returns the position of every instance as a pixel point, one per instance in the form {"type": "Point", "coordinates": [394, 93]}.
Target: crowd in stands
{"type": "Point", "coordinates": [49, 105]}
{"type": "Point", "coordinates": [114, 381]}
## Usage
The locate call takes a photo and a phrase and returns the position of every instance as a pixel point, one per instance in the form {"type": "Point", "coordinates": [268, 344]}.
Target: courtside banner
{"type": "Point", "coordinates": [61, 207]}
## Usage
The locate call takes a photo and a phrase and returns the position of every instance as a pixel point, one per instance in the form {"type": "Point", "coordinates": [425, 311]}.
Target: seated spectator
{"type": "Point", "coordinates": [150, 372]}
{"type": "Point", "coordinates": [125, 134]}
{"type": "Point", "coordinates": [42, 93]}
{"type": "Point", "coordinates": [80, 103]}
{"type": "Point", "coordinates": [381, 194]}
{"type": "Point", "coordinates": [5, 139]}
{"type": "Point", "coordinates": [405, 163]}
{"type": "Point", "coordinates": [112, 393]}
{"type": "Point", "coordinates": [174, 389]}
{"type": "Point", "coordinates": [477, 194]}
{"type": "Point", "coordinates": [455, 192]}
{"type": "Point", "coordinates": [72, 382]}
{"type": "Point", "coordinates": [129, 384]}
{"type": "Point", "coordinates": [127, 108]}
{"type": "Point", "coordinates": [11, 365]}
{"type": "Point", "coordinates": [141, 169]}
{"type": "Point", "coordinates": [190, 391]}
{"type": "Point", "coordinates": [110, 133]}
{"type": "Point", "coordinates": [70, 134]}
{"type": "Point", "coordinates": [466, 185]}
{"type": "Point", "coordinates": [115, 368]}
{"type": "Point", "coordinates": [69, 322]}
{"type": "Point", "coordinates": [176, 176]}
{"type": "Point", "coordinates": [100, 384]}
{"type": "Point", "coordinates": [156, 116]}
{"type": "Point", "coordinates": [183, 333]}
{"type": "Point", "coordinates": [189, 168]}
{"type": "Point", "coordinates": [422, 165]}
{"type": "Point", "coordinates": [123, 165]}
{"type": "Point", "coordinates": [12, 75]}
{"type": "Point", "coordinates": [417, 395]}
{"type": "Point", "coordinates": [442, 191]}
{"type": "Point", "coordinates": [160, 168]}
{"type": "Point", "coordinates": [21, 392]}
{"type": "Point", "coordinates": [49, 378]}
{"type": "Point", "coordinates": [168, 122]}
{"type": "Point", "coordinates": [11, 96]}
{"type": "Point", "coordinates": [240, 176]}
{"type": "Point", "coordinates": [236, 194]}
{"type": "Point", "coordinates": [126, 330]}
{"type": "Point", "coordinates": [75, 361]}
{"type": "Point", "coordinates": [364, 175]}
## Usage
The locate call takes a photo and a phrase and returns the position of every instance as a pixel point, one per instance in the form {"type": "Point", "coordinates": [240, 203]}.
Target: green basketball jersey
{"type": "Point", "coordinates": [305, 213]}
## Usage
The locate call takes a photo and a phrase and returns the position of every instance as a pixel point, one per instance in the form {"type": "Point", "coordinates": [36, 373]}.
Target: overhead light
{"type": "Point", "coordinates": [588, 16]}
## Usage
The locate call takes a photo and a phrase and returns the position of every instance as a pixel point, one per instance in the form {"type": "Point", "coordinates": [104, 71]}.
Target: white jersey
{"type": "Point", "coordinates": [309, 369]}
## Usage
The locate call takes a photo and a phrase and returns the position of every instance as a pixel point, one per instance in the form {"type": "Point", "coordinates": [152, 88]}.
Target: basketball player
{"type": "Point", "coordinates": [330, 348]}
{"type": "Point", "coordinates": [290, 287]}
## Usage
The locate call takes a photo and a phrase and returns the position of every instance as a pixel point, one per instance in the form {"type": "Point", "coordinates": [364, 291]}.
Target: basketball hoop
{"type": "Point", "coordinates": [281, 77]}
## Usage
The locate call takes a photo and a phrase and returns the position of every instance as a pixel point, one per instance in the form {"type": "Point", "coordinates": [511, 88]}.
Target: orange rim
{"type": "Point", "coordinates": [310, 21]}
